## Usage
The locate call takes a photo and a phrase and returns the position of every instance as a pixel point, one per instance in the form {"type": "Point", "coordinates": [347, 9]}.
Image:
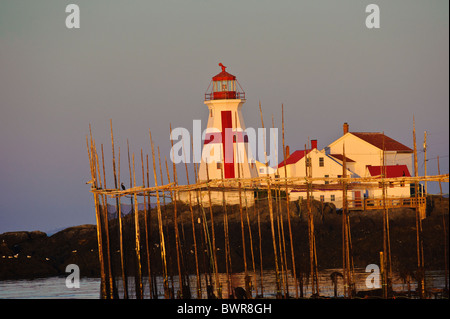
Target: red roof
{"type": "Point", "coordinates": [341, 158]}
{"type": "Point", "coordinates": [224, 75]}
{"type": "Point", "coordinates": [294, 158]}
{"type": "Point", "coordinates": [376, 139]}
{"type": "Point", "coordinates": [391, 170]}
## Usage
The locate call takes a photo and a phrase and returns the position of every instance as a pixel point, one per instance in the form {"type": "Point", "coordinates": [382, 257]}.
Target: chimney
{"type": "Point", "coordinates": [287, 152]}
{"type": "Point", "coordinates": [345, 128]}
{"type": "Point", "coordinates": [313, 144]}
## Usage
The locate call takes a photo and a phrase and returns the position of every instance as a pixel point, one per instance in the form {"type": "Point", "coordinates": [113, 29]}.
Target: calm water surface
{"type": "Point", "coordinates": [55, 287]}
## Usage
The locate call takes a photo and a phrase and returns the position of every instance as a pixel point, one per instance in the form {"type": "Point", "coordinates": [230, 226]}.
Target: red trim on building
{"type": "Point", "coordinates": [227, 146]}
{"type": "Point", "coordinates": [391, 170]}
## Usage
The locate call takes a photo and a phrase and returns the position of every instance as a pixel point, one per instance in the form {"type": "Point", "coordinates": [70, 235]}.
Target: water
{"type": "Point", "coordinates": [49, 288]}
{"type": "Point", "coordinates": [55, 287]}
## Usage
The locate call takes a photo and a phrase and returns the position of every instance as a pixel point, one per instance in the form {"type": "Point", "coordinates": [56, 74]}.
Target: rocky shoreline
{"type": "Point", "coordinates": [28, 255]}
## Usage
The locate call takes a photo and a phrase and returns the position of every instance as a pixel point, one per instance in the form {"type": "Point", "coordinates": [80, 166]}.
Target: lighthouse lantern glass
{"type": "Point", "coordinates": [224, 86]}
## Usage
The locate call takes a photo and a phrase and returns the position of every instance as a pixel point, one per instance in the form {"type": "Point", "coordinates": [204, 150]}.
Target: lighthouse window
{"type": "Point", "coordinates": [224, 86]}
{"type": "Point", "coordinates": [210, 113]}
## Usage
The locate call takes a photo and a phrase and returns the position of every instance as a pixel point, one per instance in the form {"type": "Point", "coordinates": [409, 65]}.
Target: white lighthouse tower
{"type": "Point", "coordinates": [225, 150]}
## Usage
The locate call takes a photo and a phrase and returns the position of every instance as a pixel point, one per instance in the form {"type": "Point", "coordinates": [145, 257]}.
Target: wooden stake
{"type": "Point", "coordinates": [139, 288]}
{"type": "Point", "coordinates": [147, 237]}
{"type": "Point", "coordinates": [214, 250]}
{"type": "Point", "coordinates": [112, 287]}
{"type": "Point", "coordinates": [444, 224]}
{"type": "Point", "coordinates": [287, 207]}
{"type": "Point", "coordinates": [249, 229]}
{"type": "Point", "coordinates": [421, 283]}
{"type": "Point", "coordinates": [177, 236]}
{"type": "Point", "coordinates": [272, 228]}
{"type": "Point", "coordinates": [199, 286]}
{"type": "Point", "coordinates": [228, 266]}
{"type": "Point", "coordinates": [167, 227]}
{"type": "Point", "coordinates": [91, 153]}
{"type": "Point", "coordinates": [119, 217]}
{"type": "Point", "coordinates": [425, 160]}
{"type": "Point", "coordinates": [281, 237]}
{"type": "Point", "coordinates": [160, 225]}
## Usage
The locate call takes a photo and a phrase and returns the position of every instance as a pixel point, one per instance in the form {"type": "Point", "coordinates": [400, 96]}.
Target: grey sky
{"type": "Point", "coordinates": [146, 64]}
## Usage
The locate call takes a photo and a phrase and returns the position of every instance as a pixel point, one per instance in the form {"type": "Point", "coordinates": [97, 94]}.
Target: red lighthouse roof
{"type": "Point", "coordinates": [224, 75]}
{"type": "Point", "coordinates": [224, 86]}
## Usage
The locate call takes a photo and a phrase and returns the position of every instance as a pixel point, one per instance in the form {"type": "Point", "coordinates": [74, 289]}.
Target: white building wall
{"type": "Point", "coordinates": [360, 151]}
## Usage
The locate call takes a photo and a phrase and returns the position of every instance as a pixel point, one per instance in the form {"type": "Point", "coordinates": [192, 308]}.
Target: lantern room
{"type": "Point", "coordinates": [224, 86]}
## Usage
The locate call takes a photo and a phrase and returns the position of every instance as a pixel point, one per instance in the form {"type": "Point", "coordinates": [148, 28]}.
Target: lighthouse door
{"type": "Point", "coordinates": [227, 142]}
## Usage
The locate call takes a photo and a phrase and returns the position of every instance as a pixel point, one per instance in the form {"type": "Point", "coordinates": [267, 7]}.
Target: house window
{"type": "Point", "coordinates": [219, 165]}
{"type": "Point", "coordinates": [308, 162]}
{"type": "Point", "coordinates": [333, 198]}
{"type": "Point", "coordinates": [321, 162]}
{"type": "Point", "coordinates": [327, 182]}
{"type": "Point", "coordinates": [322, 198]}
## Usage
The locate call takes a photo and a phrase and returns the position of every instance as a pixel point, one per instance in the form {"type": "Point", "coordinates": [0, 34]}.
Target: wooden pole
{"type": "Point", "coordinates": [214, 250]}
{"type": "Point", "coordinates": [311, 237]}
{"type": "Point", "coordinates": [199, 286]}
{"type": "Point", "coordinates": [169, 248]}
{"type": "Point", "coordinates": [261, 279]}
{"type": "Point", "coordinates": [160, 226]}
{"type": "Point", "coordinates": [228, 266]}
{"type": "Point", "coordinates": [383, 184]}
{"type": "Point", "coordinates": [151, 278]}
{"type": "Point", "coordinates": [421, 283]}
{"type": "Point", "coordinates": [272, 228]}
{"type": "Point", "coordinates": [281, 237]}
{"type": "Point", "coordinates": [139, 288]}
{"type": "Point", "coordinates": [119, 217]}
{"type": "Point", "coordinates": [346, 274]}
{"type": "Point", "coordinates": [167, 235]}
{"type": "Point", "coordinates": [177, 234]}
{"type": "Point", "coordinates": [177, 243]}
{"type": "Point", "coordinates": [425, 160]}
{"type": "Point", "coordinates": [444, 224]}
{"type": "Point", "coordinates": [439, 172]}
{"type": "Point", "coordinates": [91, 153]}
{"type": "Point", "coordinates": [386, 236]}
{"type": "Point", "coordinates": [112, 290]}
{"type": "Point", "coordinates": [287, 207]}
{"type": "Point", "coordinates": [147, 237]}
{"type": "Point", "coordinates": [249, 230]}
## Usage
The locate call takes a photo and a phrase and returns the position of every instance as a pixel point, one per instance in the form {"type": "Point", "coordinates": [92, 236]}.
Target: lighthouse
{"type": "Point", "coordinates": [225, 151]}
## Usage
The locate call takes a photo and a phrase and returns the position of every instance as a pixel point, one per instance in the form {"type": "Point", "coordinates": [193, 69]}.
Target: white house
{"type": "Point", "coordinates": [366, 148]}
{"type": "Point", "coordinates": [321, 165]}
{"type": "Point", "coordinates": [364, 158]}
